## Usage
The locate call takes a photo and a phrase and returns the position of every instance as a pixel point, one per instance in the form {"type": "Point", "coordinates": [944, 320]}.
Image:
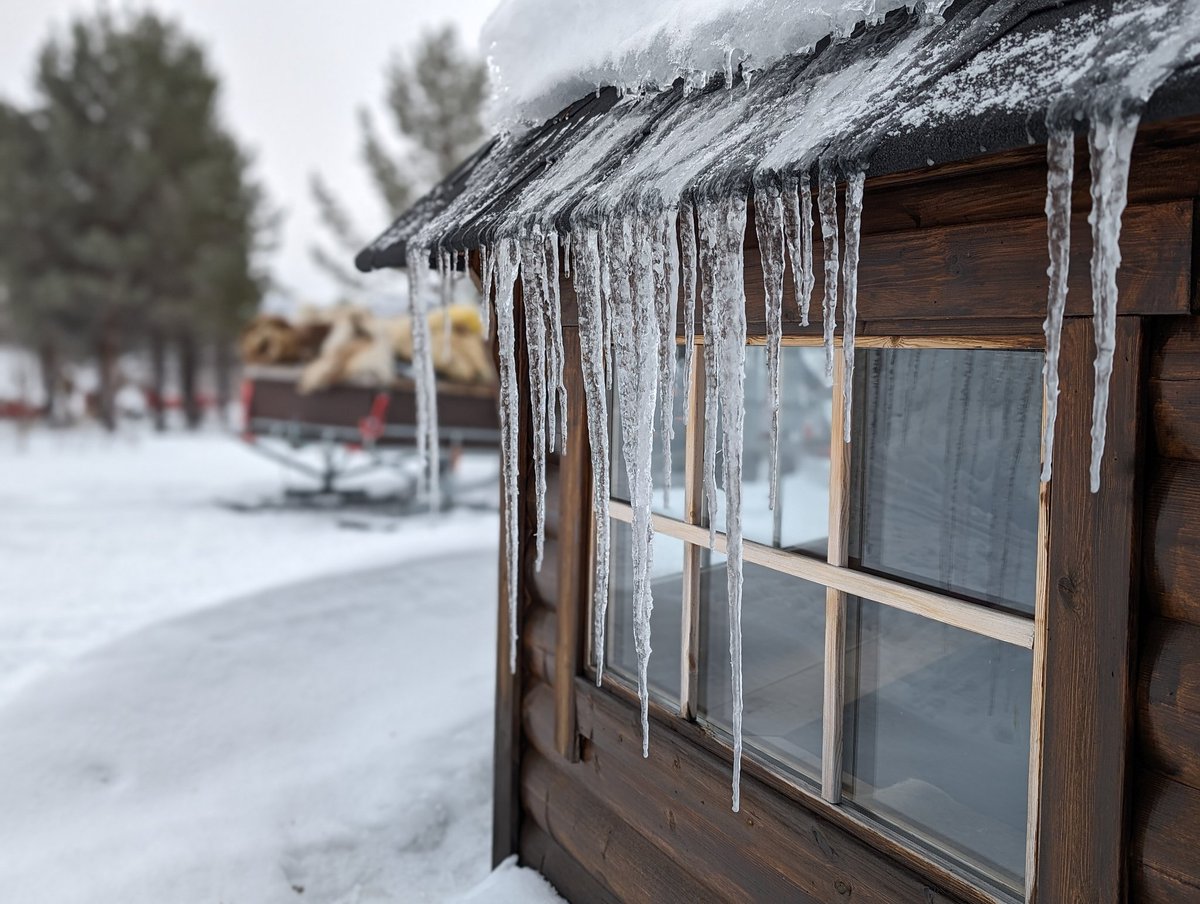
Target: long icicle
{"type": "Point", "coordinates": [854, 208]}
{"type": "Point", "coordinates": [769, 226]}
{"type": "Point", "coordinates": [1110, 142]}
{"type": "Point", "coordinates": [533, 297]}
{"type": "Point", "coordinates": [827, 207]}
{"type": "Point", "coordinates": [710, 317]}
{"type": "Point", "coordinates": [507, 262]}
{"type": "Point", "coordinates": [722, 232]}
{"type": "Point", "coordinates": [635, 328]}
{"type": "Point", "coordinates": [591, 353]}
{"type": "Point", "coordinates": [798, 222]}
{"type": "Point", "coordinates": [687, 245]}
{"type": "Point", "coordinates": [423, 372]}
{"type": "Point", "coordinates": [666, 299]}
{"type": "Point", "coordinates": [485, 309]}
{"type": "Point", "coordinates": [1060, 159]}
{"type": "Point", "coordinates": [556, 342]}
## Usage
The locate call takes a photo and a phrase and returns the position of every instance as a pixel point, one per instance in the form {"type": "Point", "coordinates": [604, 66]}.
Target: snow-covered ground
{"type": "Point", "coordinates": [200, 705]}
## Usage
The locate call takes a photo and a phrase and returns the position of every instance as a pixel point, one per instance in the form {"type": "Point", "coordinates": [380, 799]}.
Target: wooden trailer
{"type": "Point", "coordinates": [961, 684]}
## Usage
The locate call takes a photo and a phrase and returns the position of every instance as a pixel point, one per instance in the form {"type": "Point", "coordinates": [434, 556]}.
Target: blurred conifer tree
{"type": "Point", "coordinates": [128, 218]}
{"type": "Point", "coordinates": [435, 97]}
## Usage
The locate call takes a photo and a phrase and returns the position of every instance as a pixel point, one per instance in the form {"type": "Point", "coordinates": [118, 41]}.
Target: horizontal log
{"type": "Point", "coordinates": [539, 851]}
{"type": "Point", "coordinates": [1175, 405]}
{"type": "Point", "coordinates": [1175, 349]}
{"type": "Point", "coordinates": [1169, 700]}
{"type": "Point", "coordinates": [1151, 886]}
{"type": "Point", "coordinates": [773, 849]}
{"type": "Point", "coordinates": [1171, 540]}
{"type": "Point", "coordinates": [992, 271]}
{"type": "Point", "coordinates": [606, 847]}
{"type": "Point", "coordinates": [1165, 166]}
{"type": "Point", "coordinates": [1166, 831]}
{"type": "Point", "coordinates": [543, 583]}
{"type": "Point", "coordinates": [682, 830]}
{"type": "Point", "coordinates": [540, 628]}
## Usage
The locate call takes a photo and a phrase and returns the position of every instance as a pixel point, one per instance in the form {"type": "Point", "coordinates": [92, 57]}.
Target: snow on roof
{"type": "Point", "coordinates": [899, 95]}
{"type": "Point", "coordinates": [544, 54]}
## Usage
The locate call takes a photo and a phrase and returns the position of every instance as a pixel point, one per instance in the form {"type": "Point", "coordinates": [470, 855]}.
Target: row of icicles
{"type": "Point", "coordinates": [630, 275]}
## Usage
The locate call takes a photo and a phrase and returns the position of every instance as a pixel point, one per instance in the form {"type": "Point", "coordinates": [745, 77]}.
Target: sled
{"type": "Point", "coordinates": [281, 423]}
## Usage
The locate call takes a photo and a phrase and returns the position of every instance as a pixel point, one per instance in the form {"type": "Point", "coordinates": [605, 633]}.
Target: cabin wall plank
{"type": "Point", "coordinates": [1165, 831]}
{"type": "Point", "coordinates": [1090, 610]}
{"type": "Point", "coordinates": [1169, 701]}
{"type": "Point", "coordinates": [1172, 578]}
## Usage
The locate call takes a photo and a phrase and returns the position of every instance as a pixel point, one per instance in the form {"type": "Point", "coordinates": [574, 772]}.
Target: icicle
{"type": "Point", "coordinates": [591, 353]}
{"type": "Point", "coordinates": [606, 306]}
{"type": "Point", "coordinates": [722, 231]}
{"type": "Point", "coordinates": [635, 328]}
{"type": "Point", "coordinates": [827, 207]}
{"type": "Point", "coordinates": [797, 209]}
{"type": "Point", "coordinates": [556, 343]}
{"type": "Point", "coordinates": [709, 317]}
{"type": "Point", "coordinates": [566, 252]}
{"type": "Point", "coordinates": [533, 295]}
{"type": "Point", "coordinates": [507, 260]}
{"type": "Point", "coordinates": [666, 301]}
{"type": "Point", "coordinates": [1110, 143]}
{"type": "Point", "coordinates": [423, 375]}
{"type": "Point", "coordinates": [854, 206]}
{"type": "Point", "coordinates": [687, 234]}
{"type": "Point", "coordinates": [768, 224]}
{"type": "Point", "coordinates": [446, 277]}
{"type": "Point", "coordinates": [1060, 158]}
{"type": "Point", "coordinates": [485, 309]}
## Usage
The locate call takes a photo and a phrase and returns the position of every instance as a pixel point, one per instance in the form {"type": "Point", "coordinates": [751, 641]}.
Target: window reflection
{"type": "Point", "coordinates": [801, 520]}
{"type": "Point", "coordinates": [783, 653]}
{"type": "Point", "coordinates": [937, 734]}
{"type": "Point", "coordinates": [667, 589]}
{"type": "Point", "coordinates": [672, 506]}
{"type": "Point", "coordinates": [946, 469]}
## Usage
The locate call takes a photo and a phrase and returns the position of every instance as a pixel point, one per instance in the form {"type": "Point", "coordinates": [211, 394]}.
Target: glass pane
{"type": "Point", "coordinates": [801, 520]}
{"type": "Point", "coordinates": [937, 735]}
{"type": "Point", "coordinates": [946, 474]}
{"type": "Point", "coordinates": [620, 481]}
{"type": "Point", "coordinates": [783, 652]}
{"type": "Point", "coordinates": [667, 591]}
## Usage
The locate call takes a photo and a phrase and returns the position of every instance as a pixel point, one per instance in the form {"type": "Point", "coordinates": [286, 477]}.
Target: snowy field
{"type": "Point", "coordinates": [202, 705]}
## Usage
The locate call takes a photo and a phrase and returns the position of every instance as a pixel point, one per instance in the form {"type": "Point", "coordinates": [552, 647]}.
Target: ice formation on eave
{"type": "Point", "coordinates": [650, 195]}
{"type": "Point", "coordinates": [544, 54]}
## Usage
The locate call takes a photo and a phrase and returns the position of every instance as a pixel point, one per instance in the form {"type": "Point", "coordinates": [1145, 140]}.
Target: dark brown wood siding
{"type": "Point", "coordinates": [604, 824]}
{"type": "Point", "coordinates": [1165, 836]}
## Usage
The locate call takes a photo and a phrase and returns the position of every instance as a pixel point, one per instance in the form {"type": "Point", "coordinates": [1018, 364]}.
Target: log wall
{"type": "Point", "coordinates": [1165, 834]}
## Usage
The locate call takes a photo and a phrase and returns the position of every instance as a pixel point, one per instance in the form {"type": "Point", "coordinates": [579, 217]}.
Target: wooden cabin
{"type": "Point", "coordinates": [961, 684]}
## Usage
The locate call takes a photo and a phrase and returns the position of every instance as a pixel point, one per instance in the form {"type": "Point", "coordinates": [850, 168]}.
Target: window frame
{"type": "Point", "coordinates": [841, 581]}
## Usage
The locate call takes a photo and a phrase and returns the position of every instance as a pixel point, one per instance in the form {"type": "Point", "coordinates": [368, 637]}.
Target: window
{"type": "Point", "coordinates": [912, 554]}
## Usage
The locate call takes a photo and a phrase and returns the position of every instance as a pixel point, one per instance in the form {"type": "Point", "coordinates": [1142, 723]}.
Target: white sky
{"type": "Point", "coordinates": [294, 73]}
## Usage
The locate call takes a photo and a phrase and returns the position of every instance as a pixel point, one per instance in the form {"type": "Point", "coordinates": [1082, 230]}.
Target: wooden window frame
{"type": "Point", "coordinates": [841, 581]}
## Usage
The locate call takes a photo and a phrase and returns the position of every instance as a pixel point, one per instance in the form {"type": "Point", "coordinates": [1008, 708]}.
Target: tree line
{"type": "Point", "coordinates": [129, 221]}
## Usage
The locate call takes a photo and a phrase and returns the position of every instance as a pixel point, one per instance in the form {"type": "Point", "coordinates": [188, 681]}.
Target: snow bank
{"type": "Point", "coordinates": [545, 54]}
{"type": "Point", "coordinates": [101, 537]}
{"type": "Point", "coordinates": [511, 884]}
{"type": "Point", "coordinates": [281, 748]}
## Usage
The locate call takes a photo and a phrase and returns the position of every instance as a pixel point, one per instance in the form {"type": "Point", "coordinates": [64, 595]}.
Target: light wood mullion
{"type": "Point", "coordinates": [1038, 684]}
{"type": "Point", "coordinates": [835, 600]}
{"type": "Point", "coordinates": [1008, 627]}
{"type": "Point", "coordinates": [693, 495]}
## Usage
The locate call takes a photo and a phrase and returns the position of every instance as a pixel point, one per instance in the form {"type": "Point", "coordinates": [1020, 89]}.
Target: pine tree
{"type": "Point", "coordinates": [435, 99]}
{"type": "Point", "coordinates": [127, 216]}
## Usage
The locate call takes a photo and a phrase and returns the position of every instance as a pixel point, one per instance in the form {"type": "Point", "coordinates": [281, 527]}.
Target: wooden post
{"type": "Point", "coordinates": [1092, 580]}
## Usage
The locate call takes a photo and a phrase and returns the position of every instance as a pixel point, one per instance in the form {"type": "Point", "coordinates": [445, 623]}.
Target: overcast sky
{"type": "Point", "coordinates": [294, 72]}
